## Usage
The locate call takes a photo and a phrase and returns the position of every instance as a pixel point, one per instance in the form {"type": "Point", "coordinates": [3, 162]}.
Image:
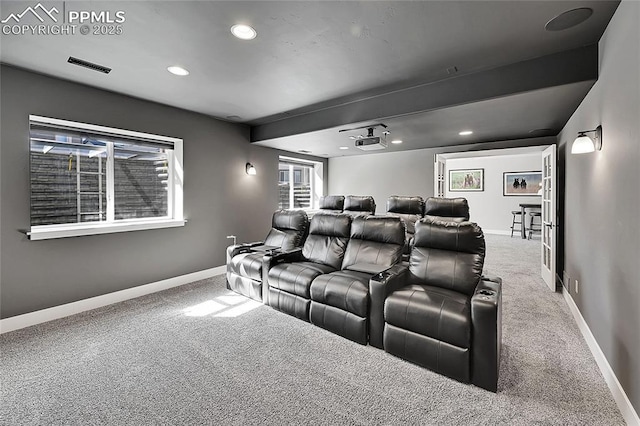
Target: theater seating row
{"type": "Point", "coordinates": [409, 209]}
{"type": "Point", "coordinates": [436, 311]}
{"type": "Point", "coordinates": [353, 205]}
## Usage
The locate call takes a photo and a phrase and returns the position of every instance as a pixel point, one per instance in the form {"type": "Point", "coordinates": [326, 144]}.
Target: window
{"type": "Point", "coordinates": [88, 179]}
{"type": "Point", "coordinates": [306, 188]}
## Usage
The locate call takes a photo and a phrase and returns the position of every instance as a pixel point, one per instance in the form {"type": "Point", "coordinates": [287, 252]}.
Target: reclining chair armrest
{"type": "Point", "coordinates": [272, 258]}
{"type": "Point", "coordinates": [282, 256]}
{"type": "Point", "coordinates": [492, 278]}
{"type": "Point", "coordinates": [486, 323]}
{"type": "Point", "coordinates": [380, 286]}
{"type": "Point", "coordinates": [241, 248]}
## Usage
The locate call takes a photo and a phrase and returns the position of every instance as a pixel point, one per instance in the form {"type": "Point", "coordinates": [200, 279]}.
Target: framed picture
{"type": "Point", "coordinates": [466, 180]}
{"type": "Point", "coordinates": [528, 184]}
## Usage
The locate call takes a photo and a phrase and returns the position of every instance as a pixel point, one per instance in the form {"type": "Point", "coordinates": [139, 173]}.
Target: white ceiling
{"type": "Point", "coordinates": [312, 54]}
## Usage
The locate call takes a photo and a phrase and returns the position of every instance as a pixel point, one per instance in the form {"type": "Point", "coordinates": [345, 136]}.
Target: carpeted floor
{"type": "Point", "coordinates": [198, 354]}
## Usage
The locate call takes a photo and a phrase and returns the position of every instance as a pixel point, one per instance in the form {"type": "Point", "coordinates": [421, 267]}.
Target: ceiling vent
{"type": "Point", "coordinates": [90, 65]}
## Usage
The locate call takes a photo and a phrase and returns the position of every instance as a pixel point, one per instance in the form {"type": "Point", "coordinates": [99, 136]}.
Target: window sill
{"type": "Point", "coordinates": [48, 232]}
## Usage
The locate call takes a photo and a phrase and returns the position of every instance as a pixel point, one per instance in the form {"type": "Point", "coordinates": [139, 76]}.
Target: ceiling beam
{"type": "Point", "coordinates": [558, 69]}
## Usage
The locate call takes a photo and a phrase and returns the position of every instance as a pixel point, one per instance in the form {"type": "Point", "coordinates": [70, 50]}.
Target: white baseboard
{"type": "Point", "coordinates": [628, 412]}
{"type": "Point", "coordinates": [499, 232]}
{"type": "Point", "coordinates": [32, 318]}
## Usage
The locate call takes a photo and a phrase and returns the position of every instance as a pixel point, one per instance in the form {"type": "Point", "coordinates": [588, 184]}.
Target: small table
{"type": "Point", "coordinates": [524, 206]}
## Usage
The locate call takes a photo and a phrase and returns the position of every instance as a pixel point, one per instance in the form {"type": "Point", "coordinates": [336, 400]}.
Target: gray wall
{"type": "Point", "coordinates": [602, 202]}
{"type": "Point", "coordinates": [400, 173]}
{"type": "Point", "coordinates": [220, 198]}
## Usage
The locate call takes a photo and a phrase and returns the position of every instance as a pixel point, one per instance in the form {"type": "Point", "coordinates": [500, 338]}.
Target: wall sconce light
{"type": "Point", "coordinates": [251, 170]}
{"type": "Point", "coordinates": [584, 143]}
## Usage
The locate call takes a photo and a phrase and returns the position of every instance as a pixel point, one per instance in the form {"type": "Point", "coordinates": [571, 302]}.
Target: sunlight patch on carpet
{"type": "Point", "coordinates": [225, 306]}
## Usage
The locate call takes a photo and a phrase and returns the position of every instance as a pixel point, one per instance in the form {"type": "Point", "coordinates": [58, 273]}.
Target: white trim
{"type": "Point", "coordinates": [47, 232]}
{"type": "Point", "coordinates": [111, 179]}
{"type": "Point", "coordinates": [170, 182]}
{"type": "Point", "coordinates": [622, 400]}
{"type": "Point", "coordinates": [102, 129]}
{"type": "Point", "coordinates": [176, 181]}
{"type": "Point", "coordinates": [498, 232]}
{"type": "Point", "coordinates": [292, 192]}
{"type": "Point", "coordinates": [32, 318]}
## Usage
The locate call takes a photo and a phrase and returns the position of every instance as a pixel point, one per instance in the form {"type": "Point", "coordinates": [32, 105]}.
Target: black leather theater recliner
{"type": "Point", "coordinates": [440, 313]}
{"type": "Point", "coordinates": [332, 203]}
{"type": "Point", "coordinates": [244, 261]}
{"type": "Point", "coordinates": [448, 209]}
{"type": "Point", "coordinates": [359, 205]}
{"type": "Point", "coordinates": [340, 300]}
{"type": "Point", "coordinates": [289, 275]}
{"type": "Point", "coordinates": [409, 209]}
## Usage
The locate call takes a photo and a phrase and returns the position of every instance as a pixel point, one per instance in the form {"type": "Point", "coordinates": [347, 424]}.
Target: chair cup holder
{"type": "Point", "coordinates": [485, 292]}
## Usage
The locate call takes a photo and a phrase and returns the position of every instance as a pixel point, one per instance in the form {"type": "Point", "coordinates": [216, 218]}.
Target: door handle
{"type": "Point", "coordinates": [549, 224]}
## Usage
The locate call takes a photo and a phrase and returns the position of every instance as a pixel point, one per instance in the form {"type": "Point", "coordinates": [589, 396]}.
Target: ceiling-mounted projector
{"type": "Point", "coordinates": [371, 142]}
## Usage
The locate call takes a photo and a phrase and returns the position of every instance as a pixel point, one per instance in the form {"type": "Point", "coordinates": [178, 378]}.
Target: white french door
{"type": "Point", "coordinates": [439, 167]}
{"type": "Point", "coordinates": [549, 227]}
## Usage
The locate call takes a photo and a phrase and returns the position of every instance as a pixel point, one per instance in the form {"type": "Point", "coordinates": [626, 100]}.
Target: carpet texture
{"type": "Point", "coordinates": [199, 354]}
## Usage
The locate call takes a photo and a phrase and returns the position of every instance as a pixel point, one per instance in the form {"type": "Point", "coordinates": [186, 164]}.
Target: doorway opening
{"type": "Point", "coordinates": [510, 191]}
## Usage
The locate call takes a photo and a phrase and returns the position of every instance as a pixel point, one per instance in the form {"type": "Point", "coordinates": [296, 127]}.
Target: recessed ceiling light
{"type": "Point", "coordinates": [397, 141]}
{"type": "Point", "coordinates": [176, 70]}
{"type": "Point", "coordinates": [466, 133]}
{"type": "Point", "coordinates": [344, 147]}
{"type": "Point", "coordinates": [243, 32]}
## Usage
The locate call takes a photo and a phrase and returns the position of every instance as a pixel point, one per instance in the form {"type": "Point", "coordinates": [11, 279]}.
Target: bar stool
{"type": "Point", "coordinates": [532, 223]}
{"type": "Point", "coordinates": [514, 222]}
